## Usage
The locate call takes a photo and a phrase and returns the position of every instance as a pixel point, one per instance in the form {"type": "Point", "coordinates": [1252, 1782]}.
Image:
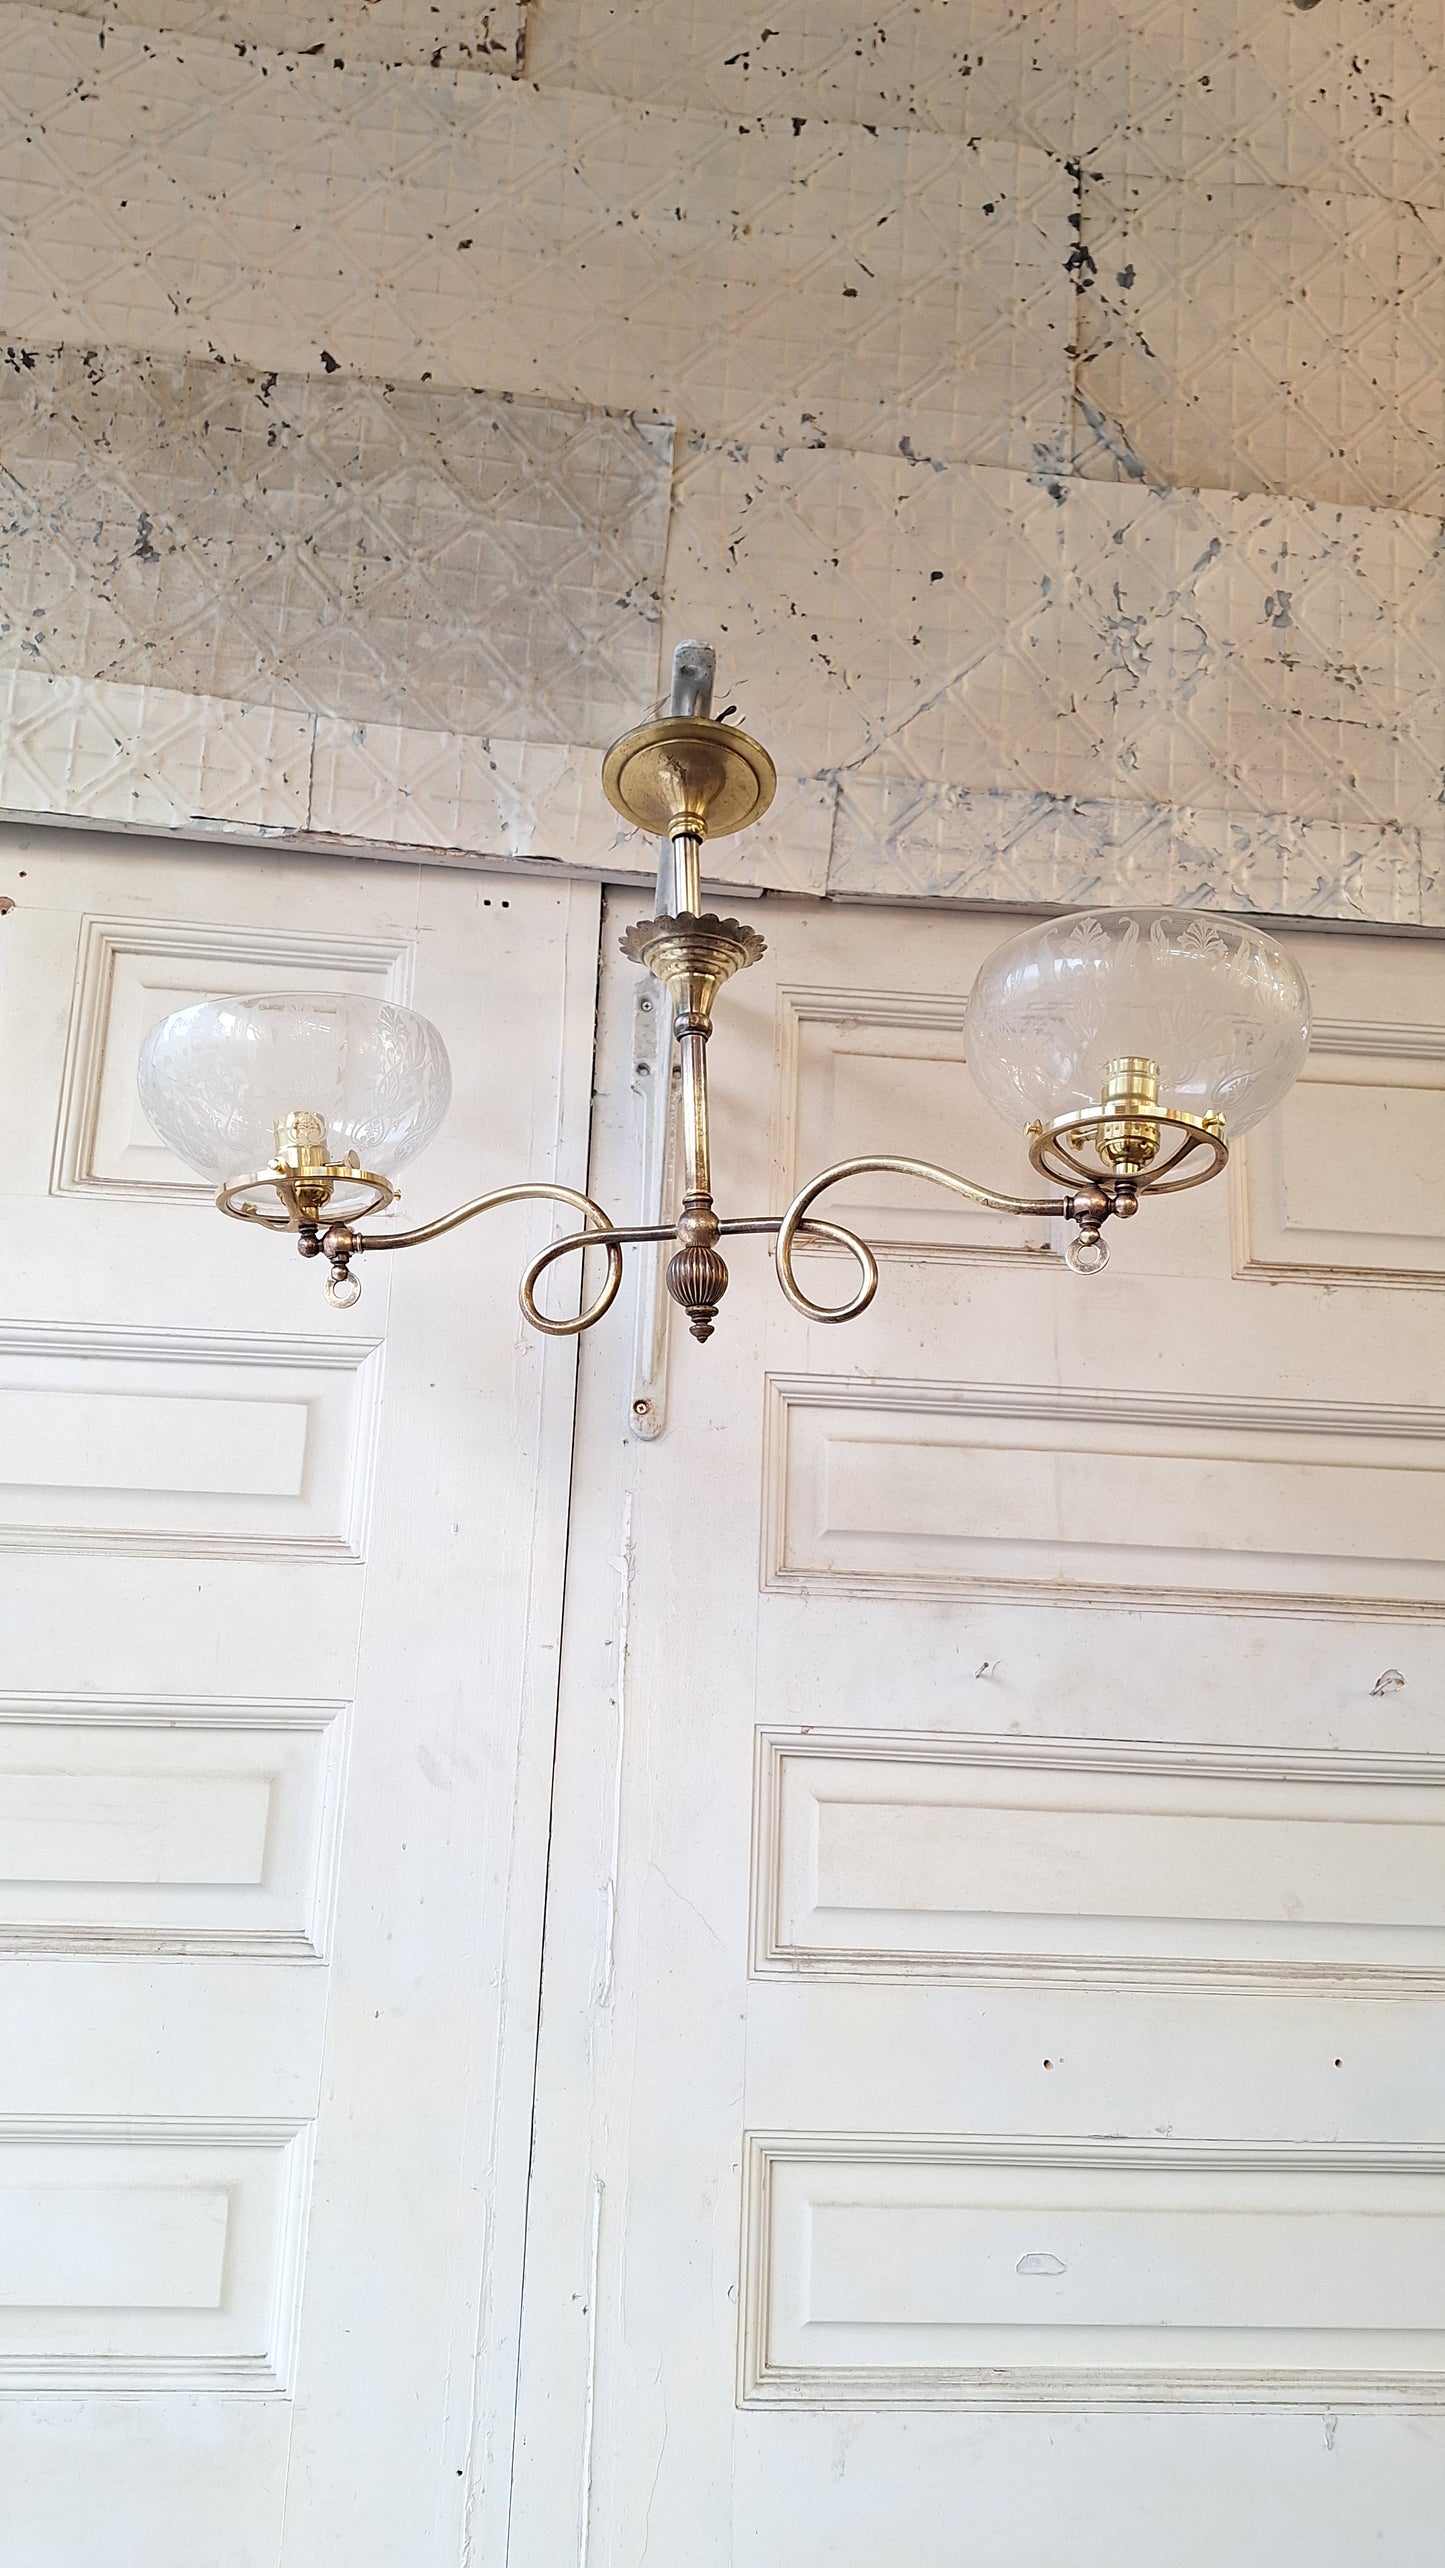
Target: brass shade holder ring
{"type": "Point", "coordinates": [1055, 1150]}
{"type": "Point", "coordinates": [304, 1198]}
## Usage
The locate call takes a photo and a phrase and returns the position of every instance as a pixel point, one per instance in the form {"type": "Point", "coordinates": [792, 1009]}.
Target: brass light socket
{"type": "Point", "coordinates": [1131, 1092]}
{"type": "Point", "coordinates": [301, 1139]}
{"type": "Point", "coordinates": [302, 1155]}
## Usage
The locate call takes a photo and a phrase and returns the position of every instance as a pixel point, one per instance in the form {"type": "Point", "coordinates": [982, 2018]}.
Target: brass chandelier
{"type": "Point", "coordinates": [1129, 1046]}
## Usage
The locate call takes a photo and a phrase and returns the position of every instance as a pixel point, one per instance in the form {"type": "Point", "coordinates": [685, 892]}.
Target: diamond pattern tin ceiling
{"type": "Point", "coordinates": [1349, 96]}
{"type": "Point", "coordinates": [1059, 418]}
{"type": "Point", "coordinates": [486, 37]}
{"type": "Point", "coordinates": [385, 553]}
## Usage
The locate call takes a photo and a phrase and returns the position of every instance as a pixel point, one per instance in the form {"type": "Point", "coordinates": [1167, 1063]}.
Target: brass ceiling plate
{"type": "Point", "coordinates": [684, 767]}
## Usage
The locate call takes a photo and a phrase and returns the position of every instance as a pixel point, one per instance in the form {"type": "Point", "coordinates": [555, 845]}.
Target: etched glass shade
{"type": "Point", "coordinates": [1220, 1008]}
{"type": "Point", "coordinates": [216, 1079]}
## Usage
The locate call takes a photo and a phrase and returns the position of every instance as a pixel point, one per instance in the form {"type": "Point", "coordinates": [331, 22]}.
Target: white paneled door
{"type": "Point", "coordinates": [279, 1599]}
{"type": "Point", "coordinates": [992, 2089]}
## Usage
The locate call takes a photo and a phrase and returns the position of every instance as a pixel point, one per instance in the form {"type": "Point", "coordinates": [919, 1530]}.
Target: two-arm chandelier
{"type": "Point", "coordinates": [1129, 1046]}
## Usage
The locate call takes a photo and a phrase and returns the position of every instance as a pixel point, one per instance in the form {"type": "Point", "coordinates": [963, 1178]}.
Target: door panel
{"type": "Point", "coordinates": [961, 1857]}
{"type": "Point", "coordinates": [999, 1779]}
{"type": "Point", "coordinates": [279, 1598]}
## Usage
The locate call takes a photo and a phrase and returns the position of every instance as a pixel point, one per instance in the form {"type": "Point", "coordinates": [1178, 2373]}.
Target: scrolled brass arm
{"type": "Point", "coordinates": [592, 1214]}
{"type": "Point", "coordinates": [794, 1222]}
{"type": "Point", "coordinates": [340, 1244]}
{"type": "Point", "coordinates": [615, 1240]}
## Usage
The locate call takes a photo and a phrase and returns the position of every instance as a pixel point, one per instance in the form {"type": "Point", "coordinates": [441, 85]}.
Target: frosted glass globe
{"type": "Point", "coordinates": [216, 1079]}
{"type": "Point", "coordinates": [1220, 1007]}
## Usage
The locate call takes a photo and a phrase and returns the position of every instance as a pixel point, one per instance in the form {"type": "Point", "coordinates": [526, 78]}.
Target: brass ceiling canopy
{"type": "Point", "coordinates": [1118, 1041]}
{"type": "Point", "coordinates": [685, 777]}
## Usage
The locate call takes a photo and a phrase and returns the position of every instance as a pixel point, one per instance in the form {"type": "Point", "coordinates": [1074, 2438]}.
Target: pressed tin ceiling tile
{"type": "Point", "coordinates": [484, 37]}
{"type": "Point", "coordinates": [899, 839]}
{"type": "Point", "coordinates": [150, 757]}
{"type": "Point", "coordinates": [379, 551]}
{"type": "Point", "coordinates": [1071, 638]}
{"type": "Point", "coordinates": [895, 838]}
{"type": "Point", "coordinates": [1432, 885]}
{"type": "Point", "coordinates": [156, 759]}
{"type": "Point", "coordinates": [405, 787]}
{"type": "Point", "coordinates": [387, 784]}
{"type": "Point", "coordinates": [1273, 654]}
{"type": "Point", "coordinates": [1264, 339]}
{"type": "Point", "coordinates": [859, 599]}
{"type": "Point", "coordinates": [1351, 95]}
{"type": "Point", "coordinates": [1063, 685]}
{"type": "Point", "coordinates": [792, 281]}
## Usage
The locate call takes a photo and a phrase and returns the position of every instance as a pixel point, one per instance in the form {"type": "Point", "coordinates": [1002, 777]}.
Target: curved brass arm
{"type": "Point", "coordinates": [614, 1240]}
{"type": "Point", "coordinates": [341, 1244]}
{"type": "Point", "coordinates": [793, 1221]}
{"type": "Point", "coordinates": [592, 1214]}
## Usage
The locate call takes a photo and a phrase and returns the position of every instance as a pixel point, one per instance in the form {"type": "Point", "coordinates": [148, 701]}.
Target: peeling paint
{"type": "Point", "coordinates": [369, 550]}
{"type": "Point", "coordinates": [1355, 101]}
{"type": "Point", "coordinates": [1264, 338]}
{"type": "Point", "coordinates": [438, 33]}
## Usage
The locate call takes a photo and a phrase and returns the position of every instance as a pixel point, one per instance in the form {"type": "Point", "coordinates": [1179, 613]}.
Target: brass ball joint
{"type": "Point", "coordinates": [1103, 1125]}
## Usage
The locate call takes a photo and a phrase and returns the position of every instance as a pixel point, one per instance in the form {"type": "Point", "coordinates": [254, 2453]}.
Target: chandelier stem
{"type": "Point", "coordinates": [687, 873]}
{"type": "Point", "coordinates": [694, 668]}
{"type": "Point", "coordinates": [697, 1277]}
{"type": "Point", "coordinates": [679, 867]}
{"type": "Point", "coordinates": [696, 1135]}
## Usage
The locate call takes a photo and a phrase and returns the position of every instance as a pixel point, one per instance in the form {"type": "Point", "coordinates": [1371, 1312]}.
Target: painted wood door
{"type": "Point", "coordinates": [992, 2089]}
{"type": "Point", "coordinates": [279, 1597]}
